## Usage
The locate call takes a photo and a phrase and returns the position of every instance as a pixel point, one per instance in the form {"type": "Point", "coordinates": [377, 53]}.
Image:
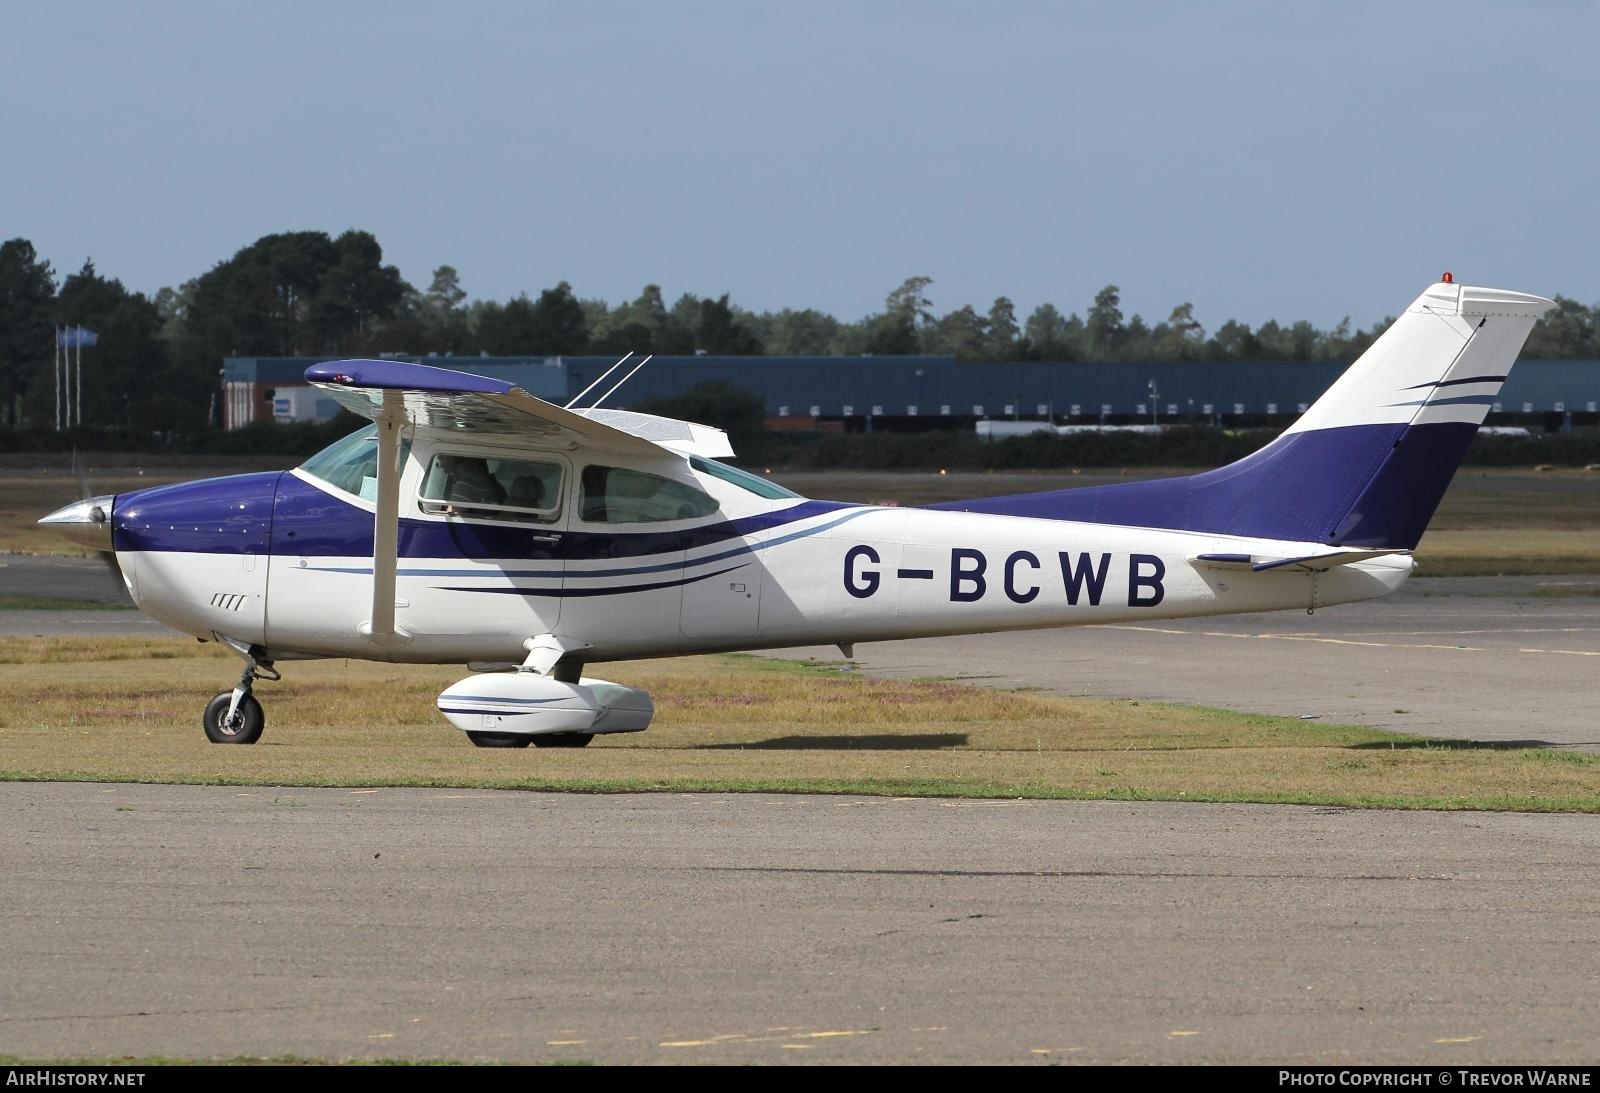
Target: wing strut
{"type": "Point", "coordinates": [386, 520]}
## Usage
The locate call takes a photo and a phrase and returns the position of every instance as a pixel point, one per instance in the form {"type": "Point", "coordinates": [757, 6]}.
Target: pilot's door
{"type": "Point", "coordinates": [496, 523]}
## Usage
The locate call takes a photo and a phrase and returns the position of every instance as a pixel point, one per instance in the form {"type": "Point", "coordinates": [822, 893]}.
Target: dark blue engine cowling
{"type": "Point", "coordinates": [230, 515]}
{"type": "Point", "coordinates": [195, 554]}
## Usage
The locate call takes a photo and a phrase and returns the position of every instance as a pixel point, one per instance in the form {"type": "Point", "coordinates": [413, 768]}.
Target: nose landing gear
{"type": "Point", "coordinates": [235, 717]}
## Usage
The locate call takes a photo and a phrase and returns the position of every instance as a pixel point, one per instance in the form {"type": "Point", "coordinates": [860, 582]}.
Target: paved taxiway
{"type": "Point", "coordinates": [1502, 659]}
{"type": "Point", "coordinates": [675, 928]}
{"type": "Point", "coordinates": [420, 923]}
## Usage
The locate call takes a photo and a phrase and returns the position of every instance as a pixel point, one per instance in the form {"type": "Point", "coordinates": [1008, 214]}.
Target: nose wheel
{"type": "Point", "coordinates": [242, 725]}
{"type": "Point", "coordinates": [235, 717]}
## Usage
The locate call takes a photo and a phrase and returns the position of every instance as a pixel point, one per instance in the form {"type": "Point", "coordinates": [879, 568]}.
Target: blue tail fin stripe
{"type": "Point", "coordinates": [1459, 400]}
{"type": "Point", "coordinates": [1340, 486]}
{"type": "Point", "coordinates": [1456, 383]}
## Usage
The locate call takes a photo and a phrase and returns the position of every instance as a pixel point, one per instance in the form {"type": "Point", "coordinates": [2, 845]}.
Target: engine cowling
{"type": "Point", "coordinates": [529, 704]}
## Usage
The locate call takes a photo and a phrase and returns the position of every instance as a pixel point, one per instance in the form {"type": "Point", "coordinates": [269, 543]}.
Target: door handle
{"type": "Point", "coordinates": [546, 538]}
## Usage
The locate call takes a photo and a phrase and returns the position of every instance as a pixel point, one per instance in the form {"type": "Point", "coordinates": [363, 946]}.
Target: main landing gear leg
{"type": "Point", "coordinates": [235, 717]}
{"type": "Point", "coordinates": [565, 670]}
{"type": "Point", "coordinates": [557, 658]}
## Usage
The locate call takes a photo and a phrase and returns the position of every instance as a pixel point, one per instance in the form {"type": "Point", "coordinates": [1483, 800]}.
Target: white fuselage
{"type": "Point", "coordinates": [756, 573]}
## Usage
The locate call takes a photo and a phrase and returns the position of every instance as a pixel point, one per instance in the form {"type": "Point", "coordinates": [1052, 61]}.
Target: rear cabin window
{"type": "Point", "coordinates": [617, 495]}
{"type": "Point", "coordinates": [486, 487]}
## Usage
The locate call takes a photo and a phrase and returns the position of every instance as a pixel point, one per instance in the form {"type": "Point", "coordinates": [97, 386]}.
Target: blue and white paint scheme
{"type": "Point", "coordinates": [604, 535]}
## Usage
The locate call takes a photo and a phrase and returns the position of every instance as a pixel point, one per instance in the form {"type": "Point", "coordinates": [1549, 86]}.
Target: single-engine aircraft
{"type": "Point", "coordinates": [472, 523]}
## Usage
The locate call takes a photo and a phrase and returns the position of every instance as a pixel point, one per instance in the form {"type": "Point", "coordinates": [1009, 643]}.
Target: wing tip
{"type": "Point", "coordinates": [403, 375]}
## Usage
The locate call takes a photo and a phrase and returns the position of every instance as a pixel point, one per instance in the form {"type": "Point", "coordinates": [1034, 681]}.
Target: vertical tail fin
{"type": "Point", "coordinates": [1422, 389]}
{"type": "Point", "coordinates": [1367, 464]}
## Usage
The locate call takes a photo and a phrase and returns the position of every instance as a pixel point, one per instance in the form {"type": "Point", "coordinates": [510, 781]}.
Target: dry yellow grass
{"type": "Point", "coordinates": [120, 709]}
{"type": "Point", "coordinates": [27, 495]}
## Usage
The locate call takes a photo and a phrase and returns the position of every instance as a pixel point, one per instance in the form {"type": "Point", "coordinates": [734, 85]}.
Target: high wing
{"type": "Point", "coordinates": [442, 398]}
{"type": "Point", "coordinates": [686, 437]}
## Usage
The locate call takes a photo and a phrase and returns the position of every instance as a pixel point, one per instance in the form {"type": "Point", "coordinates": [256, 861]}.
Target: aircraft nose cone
{"type": "Point", "coordinates": [86, 522]}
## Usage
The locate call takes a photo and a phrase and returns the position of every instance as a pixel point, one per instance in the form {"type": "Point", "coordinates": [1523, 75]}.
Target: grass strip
{"type": "Point", "coordinates": [127, 710]}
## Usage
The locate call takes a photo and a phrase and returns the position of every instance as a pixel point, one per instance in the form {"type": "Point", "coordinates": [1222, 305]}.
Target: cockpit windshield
{"type": "Point", "coordinates": [351, 464]}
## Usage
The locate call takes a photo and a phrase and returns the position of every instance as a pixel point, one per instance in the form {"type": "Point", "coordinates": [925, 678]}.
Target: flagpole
{"type": "Point", "coordinates": [66, 379]}
{"type": "Point", "coordinates": [57, 331]}
{"type": "Point", "coordinates": [77, 385]}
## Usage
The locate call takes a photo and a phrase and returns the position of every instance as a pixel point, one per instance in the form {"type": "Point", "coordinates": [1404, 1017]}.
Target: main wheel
{"type": "Point", "coordinates": [243, 728]}
{"type": "Point", "coordinates": [498, 739]}
{"type": "Point", "coordinates": [563, 740]}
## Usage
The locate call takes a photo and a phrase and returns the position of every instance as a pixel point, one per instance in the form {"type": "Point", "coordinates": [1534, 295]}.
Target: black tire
{"type": "Point", "coordinates": [497, 740]}
{"type": "Point", "coordinates": [563, 740]}
{"type": "Point", "coordinates": [247, 723]}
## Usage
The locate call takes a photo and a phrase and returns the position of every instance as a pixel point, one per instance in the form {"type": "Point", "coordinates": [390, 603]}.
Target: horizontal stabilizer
{"type": "Point", "coordinates": [1260, 563]}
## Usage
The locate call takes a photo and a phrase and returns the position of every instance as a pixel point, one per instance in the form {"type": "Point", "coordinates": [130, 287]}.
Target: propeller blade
{"type": "Point", "coordinates": [108, 557]}
{"type": "Point", "coordinates": [79, 475]}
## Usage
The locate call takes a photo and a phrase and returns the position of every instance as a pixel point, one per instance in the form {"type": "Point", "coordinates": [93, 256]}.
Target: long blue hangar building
{"type": "Point", "coordinates": [905, 392]}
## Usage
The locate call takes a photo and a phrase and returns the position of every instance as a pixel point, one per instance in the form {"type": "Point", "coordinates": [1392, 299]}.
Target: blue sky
{"type": "Point", "coordinates": [1262, 160]}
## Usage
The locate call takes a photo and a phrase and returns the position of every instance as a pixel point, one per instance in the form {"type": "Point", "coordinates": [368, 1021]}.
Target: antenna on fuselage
{"type": "Point", "coordinates": [599, 381]}
{"type": "Point", "coordinates": [619, 383]}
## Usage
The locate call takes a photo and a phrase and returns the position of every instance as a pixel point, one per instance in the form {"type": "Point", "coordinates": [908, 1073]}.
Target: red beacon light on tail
{"type": "Point", "coordinates": [1448, 278]}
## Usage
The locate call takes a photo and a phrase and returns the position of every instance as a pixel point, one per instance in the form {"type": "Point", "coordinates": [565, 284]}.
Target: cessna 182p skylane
{"type": "Point", "coordinates": [473, 523]}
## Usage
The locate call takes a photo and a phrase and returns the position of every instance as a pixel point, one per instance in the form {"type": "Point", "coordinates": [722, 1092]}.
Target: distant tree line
{"type": "Point", "coordinates": [306, 293]}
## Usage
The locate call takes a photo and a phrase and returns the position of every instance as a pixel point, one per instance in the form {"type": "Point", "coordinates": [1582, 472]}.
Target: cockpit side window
{"type": "Point", "coordinates": [491, 488]}
{"type": "Point", "coordinates": [618, 495]}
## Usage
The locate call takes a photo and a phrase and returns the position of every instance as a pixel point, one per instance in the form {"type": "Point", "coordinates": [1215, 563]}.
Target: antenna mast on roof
{"type": "Point", "coordinates": [599, 381]}
{"type": "Point", "coordinates": [620, 382]}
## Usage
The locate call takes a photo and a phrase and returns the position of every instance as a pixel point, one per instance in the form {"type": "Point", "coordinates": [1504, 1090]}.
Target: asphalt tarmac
{"type": "Point", "coordinates": [61, 578]}
{"type": "Point", "coordinates": [1508, 659]}
{"type": "Point", "coordinates": [206, 922]}
{"type": "Point", "coordinates": [213, 922]}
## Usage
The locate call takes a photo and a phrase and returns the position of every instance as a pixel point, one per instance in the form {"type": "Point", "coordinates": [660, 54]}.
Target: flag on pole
{"type": "Point", "coordinates": [76, 337]}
